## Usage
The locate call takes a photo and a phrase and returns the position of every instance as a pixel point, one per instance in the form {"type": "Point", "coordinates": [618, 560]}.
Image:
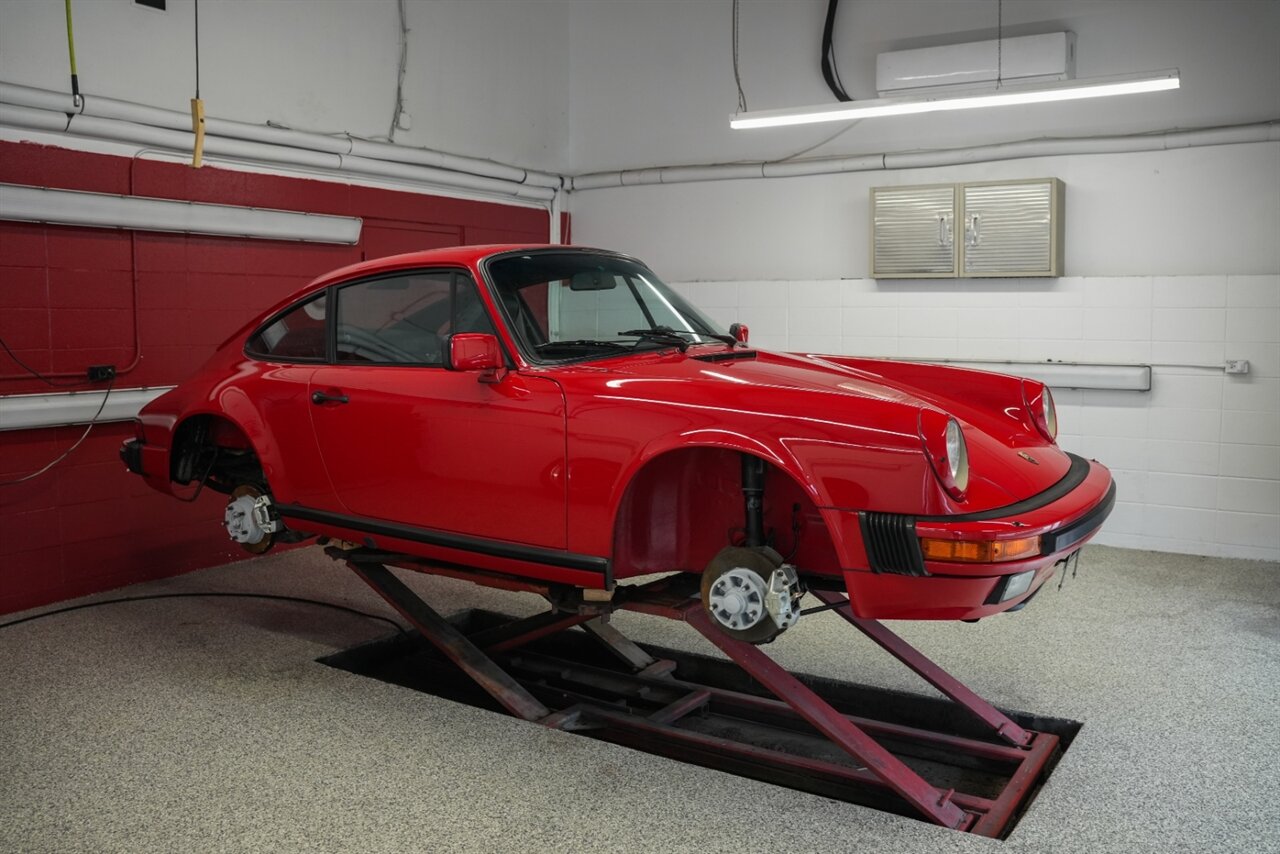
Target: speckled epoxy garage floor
{"type": "Point", "coordinates": [207, 725]}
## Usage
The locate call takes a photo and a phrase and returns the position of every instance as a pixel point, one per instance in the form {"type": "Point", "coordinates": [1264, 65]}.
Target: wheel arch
{"type": "Point", "coordinates": [682, 502]}
{"type": "Point", "coordinates": [214, 428]}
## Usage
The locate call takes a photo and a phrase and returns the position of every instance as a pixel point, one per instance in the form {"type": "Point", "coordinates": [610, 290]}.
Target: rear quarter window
{"type": "Point", "coordinates": [296, 335]}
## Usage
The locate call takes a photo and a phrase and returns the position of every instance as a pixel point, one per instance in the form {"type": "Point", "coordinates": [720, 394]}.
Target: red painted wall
{"type": "Point", "coordinates": [67, 302]}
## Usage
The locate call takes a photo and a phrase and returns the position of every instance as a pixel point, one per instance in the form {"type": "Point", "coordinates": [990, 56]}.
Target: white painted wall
{"type": "Point", "coordinates": [485, 78]}
{"type": "Point", "coordinates": [1196, 459]}
{"type": "Point", "coordinates": [652, 81]}
{"type": "Point", "coordinates": [1172, 258]}
{"type": "Point", "coordinates": [1190, 211]}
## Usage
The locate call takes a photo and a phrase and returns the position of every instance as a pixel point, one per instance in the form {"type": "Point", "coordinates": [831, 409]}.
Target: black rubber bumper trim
{"type": "Point", "coordinates": [1066, 537]}
{"type": "Point", "coordinates": [1075, 476]}
{"type": "Point", "coordinates": [462, 542]}
{"type": "Point", "coordinates": [131, 456]}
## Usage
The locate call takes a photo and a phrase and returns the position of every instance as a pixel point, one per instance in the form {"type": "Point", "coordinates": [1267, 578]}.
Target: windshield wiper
{"type": "Point", "coordinates": [668, 335]}
{"type": "Point", "coordinates": [581, 344]}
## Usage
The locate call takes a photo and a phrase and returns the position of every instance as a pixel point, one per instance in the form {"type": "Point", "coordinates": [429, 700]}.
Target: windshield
{"type": "Point", "coordinates": [579, 305]}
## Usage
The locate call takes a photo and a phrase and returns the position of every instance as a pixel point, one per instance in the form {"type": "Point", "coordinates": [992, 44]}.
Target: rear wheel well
{"type": "Point", "coordinates": [214, 450]}
{"type": "Point", "coordinates": [684, 506]}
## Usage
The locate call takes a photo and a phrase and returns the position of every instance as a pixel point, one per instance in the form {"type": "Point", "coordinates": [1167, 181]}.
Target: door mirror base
{"type": "Point", "coordinates": [476, 352]}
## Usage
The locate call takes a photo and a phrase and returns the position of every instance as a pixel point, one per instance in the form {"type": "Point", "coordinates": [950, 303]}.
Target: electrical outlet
{"type": "Point", "coordinates": [101, 373]}
{"type": "Point", "coordinates": [1237, 366]}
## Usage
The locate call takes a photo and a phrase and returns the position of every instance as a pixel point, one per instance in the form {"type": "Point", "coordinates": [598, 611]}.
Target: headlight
{"type": "Point", "coordinates": [947, 451]}
{"type": "Point", "coordinates": [1050, 413]}
{"type": "Point", "coordinates": [1039, 402]}
{"type": "Point", "coordinates": [957, 456]}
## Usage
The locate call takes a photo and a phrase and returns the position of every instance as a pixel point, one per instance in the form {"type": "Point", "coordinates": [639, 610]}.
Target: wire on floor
{"type": "Point", "coordinates": [270, 596]}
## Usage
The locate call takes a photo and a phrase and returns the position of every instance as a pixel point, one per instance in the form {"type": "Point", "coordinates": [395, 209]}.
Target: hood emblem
{"type": "Point", "coordinates": [1029, 458]}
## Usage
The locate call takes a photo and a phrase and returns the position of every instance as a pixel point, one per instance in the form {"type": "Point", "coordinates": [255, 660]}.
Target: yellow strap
{"type": "Point", "coordinates": [197, 126]}
{"type": "Point", "coordinates": [71, 42]}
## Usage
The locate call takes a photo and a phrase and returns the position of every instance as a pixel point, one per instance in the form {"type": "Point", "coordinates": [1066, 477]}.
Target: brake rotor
{"type": "Point", "coordinates": [240, 523]}
{"type": "Point", "coordinates": [734, 589]}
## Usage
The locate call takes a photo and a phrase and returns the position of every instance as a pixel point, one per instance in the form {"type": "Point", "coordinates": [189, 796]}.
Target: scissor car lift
{"type": "Point", "coordinates": [649, 706]}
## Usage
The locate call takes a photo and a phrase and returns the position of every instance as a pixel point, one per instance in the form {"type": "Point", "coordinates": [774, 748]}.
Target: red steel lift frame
{"type": "Point", "coordinates": [1025, 752]}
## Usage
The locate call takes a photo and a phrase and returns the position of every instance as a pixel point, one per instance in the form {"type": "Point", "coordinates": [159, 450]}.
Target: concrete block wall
{"type": "Point", "coordinates": [1197, 458]}
{"type": "Point", "coordinates": [67, 301]}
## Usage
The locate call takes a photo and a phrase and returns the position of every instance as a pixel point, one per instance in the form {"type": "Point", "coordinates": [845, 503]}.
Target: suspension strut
{"type": "Point", "coordinates": [753, 500]}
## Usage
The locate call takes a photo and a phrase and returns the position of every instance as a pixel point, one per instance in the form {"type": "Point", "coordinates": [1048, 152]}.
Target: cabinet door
{"type": "Point", "coordinates": [1012, 229]}
{"type": "Point", "coordinates": [913, 233]}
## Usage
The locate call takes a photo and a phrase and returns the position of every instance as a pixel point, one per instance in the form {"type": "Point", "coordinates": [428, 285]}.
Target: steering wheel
{"type": "Point", "coordinates": [364, 344]}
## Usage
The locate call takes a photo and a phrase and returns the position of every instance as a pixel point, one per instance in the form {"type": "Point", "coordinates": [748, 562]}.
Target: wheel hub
{"type": "Point", "coordinates": [737, 599]}
{"type": "Point", "coordinates": [248, 519]}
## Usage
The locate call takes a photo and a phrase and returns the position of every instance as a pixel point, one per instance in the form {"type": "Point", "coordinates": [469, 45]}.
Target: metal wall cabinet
{"type": "Point", "coordinates": [913, 232]}
{"type": "Point", "coordinates": [1006, 228]}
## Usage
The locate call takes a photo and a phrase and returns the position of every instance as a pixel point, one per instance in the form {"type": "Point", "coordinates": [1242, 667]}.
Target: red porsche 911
{"type": "Point", "coordinates": [558, 413]}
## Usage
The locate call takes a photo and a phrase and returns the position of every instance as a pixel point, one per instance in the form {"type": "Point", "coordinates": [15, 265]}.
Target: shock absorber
{"type": "Point", "coordinates": [753, 500]}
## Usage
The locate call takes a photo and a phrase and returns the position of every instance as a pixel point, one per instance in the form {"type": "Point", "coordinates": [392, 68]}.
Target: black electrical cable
{"type": "Point", "coordinates": [85, 435]}
{"type": "Point", "coordinates": [817, 609]}
{"type": "Point", "coordinates": [204, 478]}
{"type": "Point", "coordinates": [999, 43]}
{"type": "Point", "coordinates": [34, 372]}
{"type": "Point", "coordinates": [742, 98]}
{"type": "Point", "coordinates": [197, 50]}
{"type": "Point", "coordinates": [829, 72]}
{"type": "Point", "coordinates": [274, 597]}
{"type": "Point", "coordinates": [404, 60]}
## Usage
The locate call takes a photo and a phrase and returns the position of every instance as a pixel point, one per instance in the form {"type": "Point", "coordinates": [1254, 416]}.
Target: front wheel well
{"type": "Point", "coordinates": [214, 450]}
{"type": "Point", "coordinates": [682, 507]}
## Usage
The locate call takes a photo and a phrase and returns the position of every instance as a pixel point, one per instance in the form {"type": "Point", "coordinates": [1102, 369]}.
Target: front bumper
{"type": "Point", "coordinates": [901, 584]}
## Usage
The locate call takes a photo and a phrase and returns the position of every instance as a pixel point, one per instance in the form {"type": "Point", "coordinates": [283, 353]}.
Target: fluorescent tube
{"type": "Point", "coordinates": [103, 210]}
{"type": "Point", "coordinates": [1065, 90]}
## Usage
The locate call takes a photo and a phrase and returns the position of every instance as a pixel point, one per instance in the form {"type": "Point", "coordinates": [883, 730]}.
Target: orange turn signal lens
{"type": "Point", "coordinates": [980, 551]}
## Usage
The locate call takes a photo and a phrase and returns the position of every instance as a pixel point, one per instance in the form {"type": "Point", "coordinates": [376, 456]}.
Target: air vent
{"type": "Point", "coordinates": [891, 543]}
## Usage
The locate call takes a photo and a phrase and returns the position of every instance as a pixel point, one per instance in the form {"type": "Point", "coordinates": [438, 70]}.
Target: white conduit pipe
{"type": "Point", "coordinates": [141, 114]}
{"type": "Point", "coordinates": [1260, 132]}
{"type": "Point", "coordinates": [215, 146]}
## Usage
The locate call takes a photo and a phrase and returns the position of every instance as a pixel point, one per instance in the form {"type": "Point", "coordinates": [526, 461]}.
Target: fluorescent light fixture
{"type": "Point", "coordinates": [103, 210]}
{"type": "Point", "coordinates": [57, 409]}
{"type": "Point", "coordinates": [1064, 90]}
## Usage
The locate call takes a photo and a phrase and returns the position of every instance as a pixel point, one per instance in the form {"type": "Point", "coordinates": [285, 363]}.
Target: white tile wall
{"type": "Point", "coordinates": [1196, 459]}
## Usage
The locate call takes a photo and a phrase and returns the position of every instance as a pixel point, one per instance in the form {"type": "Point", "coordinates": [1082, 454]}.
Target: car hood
{"type": "Point", "coordinates": [859, 403]}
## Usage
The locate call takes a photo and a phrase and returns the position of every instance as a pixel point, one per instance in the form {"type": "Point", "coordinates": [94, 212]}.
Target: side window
{"type": "Point", "coordinates": [469, 314]}
{"type": "Point", "coordinates": [405, 319]}
{"type": "Point", "coordinates": [297, 335]}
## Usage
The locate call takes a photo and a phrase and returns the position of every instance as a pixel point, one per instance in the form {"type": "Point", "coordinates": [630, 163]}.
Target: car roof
{"type": "Point", "coordinates": [449, 256]}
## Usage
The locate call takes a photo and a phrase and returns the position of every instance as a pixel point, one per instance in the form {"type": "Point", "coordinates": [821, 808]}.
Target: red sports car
{"type": "Point", "coordinates": [558, 413]}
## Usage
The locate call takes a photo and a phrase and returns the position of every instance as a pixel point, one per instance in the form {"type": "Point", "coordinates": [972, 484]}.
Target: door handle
{"type": "Point", "coordinates": [319, 398]}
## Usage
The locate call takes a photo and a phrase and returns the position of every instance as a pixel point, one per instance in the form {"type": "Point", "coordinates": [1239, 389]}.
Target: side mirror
{"type": "Point", "coordinates": [474, 351]}
{"type": "Point", "coordinates": [739, 332]}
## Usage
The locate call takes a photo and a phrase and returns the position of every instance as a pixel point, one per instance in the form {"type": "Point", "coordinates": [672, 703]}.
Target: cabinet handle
{"type": "Point", "coordinates": [942, 229]}
{"type": "Point", "coordinates": [973, 230]}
